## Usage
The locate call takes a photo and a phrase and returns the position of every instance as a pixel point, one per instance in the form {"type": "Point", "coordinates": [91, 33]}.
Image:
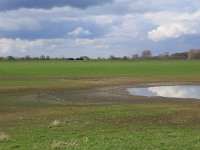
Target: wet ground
{"type": "Point", "coordinates": [104, 95]}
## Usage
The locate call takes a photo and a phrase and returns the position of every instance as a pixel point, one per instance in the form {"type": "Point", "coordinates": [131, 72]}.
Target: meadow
{"type": "Point", "coordinates": [104, 68]}
{"type": "Point", "coordinates": [74, 105]}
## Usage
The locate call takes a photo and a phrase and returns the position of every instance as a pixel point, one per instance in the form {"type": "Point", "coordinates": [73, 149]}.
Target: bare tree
{"type": "Point", "coordinates": [42, 57]}
{"type": "Point", "coordinates": [27, 57]}
{"type": "Point", "coordinates": [194, 54]}
{"type": "Point", "coordinates": [197, 54]}
{"type": "Point", "coordinates": [191, 54]}
{"type": "Point", "coordinates": [47, 58]}
{"type": "Point", "coordinates": [135, 56]}
{"type": "Point", "coordinates": [146, 54]}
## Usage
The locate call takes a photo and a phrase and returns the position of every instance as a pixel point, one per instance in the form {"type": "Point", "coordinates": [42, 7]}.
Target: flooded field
{"type": "Point", "coordinates": [179, 91]}
{"type": "Point", "coordinates": [85, 105]}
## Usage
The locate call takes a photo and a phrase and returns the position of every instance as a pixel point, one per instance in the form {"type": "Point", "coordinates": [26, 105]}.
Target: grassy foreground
{"type": "Point", "coordinates": [31, 121]}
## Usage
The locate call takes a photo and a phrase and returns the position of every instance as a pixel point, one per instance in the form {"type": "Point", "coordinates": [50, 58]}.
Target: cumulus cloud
{"type": "Point", "coordinates": [172, 25]}
{"type": "Point", "coordinates": [9, 45]}
{"type": "Point", "coordinates": [127, 26]}
{"type": "Point", "coordinates": [175, 30]}
{"type": "Point", "coordinates": [60, 47]}
{"type": "Point", "coordinates": [122, 27]}
{"type": "Point", "coordinates": [79, 32]}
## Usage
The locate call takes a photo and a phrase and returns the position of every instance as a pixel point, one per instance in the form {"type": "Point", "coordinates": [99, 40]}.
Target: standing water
{"type": "Point", "coordinates": [182, 91]}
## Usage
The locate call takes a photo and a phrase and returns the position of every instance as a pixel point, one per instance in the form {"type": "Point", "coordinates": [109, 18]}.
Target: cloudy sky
{"type": "Point", "coordinates": [74, 28]}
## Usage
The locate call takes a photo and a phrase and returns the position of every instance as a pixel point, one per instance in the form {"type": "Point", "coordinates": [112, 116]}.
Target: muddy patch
{"type": "Point", "coordinates": [105, 95]}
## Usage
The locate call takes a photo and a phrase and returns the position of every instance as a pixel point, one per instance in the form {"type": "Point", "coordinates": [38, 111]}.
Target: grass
{"type": "Point", "coordinates": [29, 119]}
{"type": "Point", "coordinates": [41, 75]}
{"type": "Point", "coordinates": [73, 69]}
{"type": "Point", "coordinates": [139, 126]}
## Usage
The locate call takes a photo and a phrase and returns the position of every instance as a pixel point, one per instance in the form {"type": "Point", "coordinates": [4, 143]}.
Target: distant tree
{"type": "Point", "coordinates": [194, 54]}
{"type": "Point", "coordinates": [191, 54]}
{"type": "Point", "coordinates": [146, 54]}
{"type": "Point", "coordinates": [10, 58]}
{"type": "Point", "coordinates": [99, 58]}
{"type": "Point", "coordinates": [80, 58]}
{"type": "Point", "coordinates": [27, 57]}
{"type": "Point", "coordinates": [63, 58]}
{"type": "Point", "coordinates": [47, 58]}
{"type": "Point", "coordinates": [112, 57]}
{"type": "Point", "coordinates": [197, 54]}
{"type": "Point", "coordinates": [165, 55]}
{"type": "Point", "coordinates": [124, 57]}
{"type": "Point", "coordinates": [135, 56]}
{"type": "Point", "coordinates": [70, 58]}
{"type": "Point", "coordinates": [85, 58]}
{"type": "Point", "coordinates": [182, 55]}
{"type": "Point", "coordinates": [36, 58]}
{"type": "Point", "coordinates": [42, 57]}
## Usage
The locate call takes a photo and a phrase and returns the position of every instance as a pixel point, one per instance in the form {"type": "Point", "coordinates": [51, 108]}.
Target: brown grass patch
{"type": "Point", "coordinates": [4, 137]}
{"type": "Point", "coordinates": [62, 144]}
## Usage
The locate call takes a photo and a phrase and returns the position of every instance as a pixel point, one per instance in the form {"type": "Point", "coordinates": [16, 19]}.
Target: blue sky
{"type": "Point", "coordinates": [74, 28]}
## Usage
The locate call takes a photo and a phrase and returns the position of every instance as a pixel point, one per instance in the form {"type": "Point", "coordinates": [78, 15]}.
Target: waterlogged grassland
{"type": "Point", "coordinates": [55, 105]}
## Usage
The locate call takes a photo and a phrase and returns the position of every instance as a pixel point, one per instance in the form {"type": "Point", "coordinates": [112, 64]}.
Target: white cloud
{"type": "Point", "coordinates": [79, 32]}
{"type": "Point", "coordinates": [172, 25]}
{"type": "Point", "coordinates": [164, 17]}
{"type": "Point", "coordinates": [5, 45]}
{"type": "Point", "coordinates": [175, 30]}
{"type": "Point", "coordinates": [115, 28]}
{"type": "Point", "coordinates": [127, 26]}
{"type": "Point", "coordinates": [15, 24]}
{"type": "Point", "coordinates": [70, 47]}
{"type": "Point", "coordinates": [102, 19]}
{"type": "Point", "coordinates": [9, 45]}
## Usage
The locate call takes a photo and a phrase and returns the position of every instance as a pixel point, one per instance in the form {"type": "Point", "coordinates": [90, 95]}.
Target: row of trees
{"type": "Point", "coordinates": [145, 55]}
{"type": "Point", "coordinates": [42, 57]}
{"type": "Point", "coordinates": [194, 54]}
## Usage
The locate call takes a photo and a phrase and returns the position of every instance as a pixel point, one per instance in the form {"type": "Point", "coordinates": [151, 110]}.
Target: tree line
{"type": "Point", "coordinates": [145, 55]}
{"type": "Point", "coordinates": [43, 57]}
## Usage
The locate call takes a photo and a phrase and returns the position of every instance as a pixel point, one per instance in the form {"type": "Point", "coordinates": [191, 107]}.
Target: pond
{"type": "Point", "coordinates": [180, 91]}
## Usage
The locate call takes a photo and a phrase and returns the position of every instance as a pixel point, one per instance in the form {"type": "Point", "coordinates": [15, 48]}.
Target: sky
{"type": "Point", "coordinates": [74, 28]}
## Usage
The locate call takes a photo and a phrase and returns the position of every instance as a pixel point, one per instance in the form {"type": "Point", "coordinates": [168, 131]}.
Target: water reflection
{"type": "Point", "coordinates": [185, 91]}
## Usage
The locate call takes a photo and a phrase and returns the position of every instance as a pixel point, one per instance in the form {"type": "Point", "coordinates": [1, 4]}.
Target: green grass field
{"type": "Point", "coordinates": [55, 105]}
{"type": "Point", "coordinates": [49, 74]}
{"type": "Point", "coordinates": [98, 68]}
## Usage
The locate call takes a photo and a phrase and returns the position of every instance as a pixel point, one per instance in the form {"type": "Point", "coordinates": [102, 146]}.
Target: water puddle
{"type": "Point", "coordinates": [182, 91]}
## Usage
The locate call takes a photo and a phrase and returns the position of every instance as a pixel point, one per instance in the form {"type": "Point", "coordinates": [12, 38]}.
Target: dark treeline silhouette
{"type": "Point", "coordinates": [43, 57]}
{"type": "Point", "coordinates": [145, 55]}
